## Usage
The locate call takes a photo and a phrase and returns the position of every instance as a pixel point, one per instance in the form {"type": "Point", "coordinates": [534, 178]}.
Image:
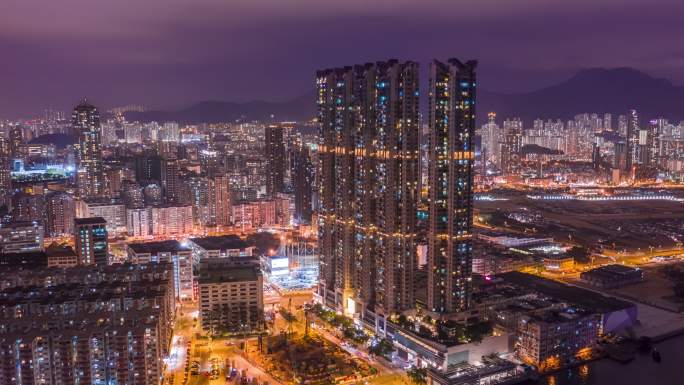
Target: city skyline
{"type": "Point", "coordinates": [451, 198]}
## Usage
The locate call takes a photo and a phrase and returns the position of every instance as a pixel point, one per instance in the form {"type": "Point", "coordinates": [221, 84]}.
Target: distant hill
{"type": "Point", "coordinates": [539, 150]}
{"type": "Point", "coordinates": [593, 90]}
{"type": "Point", "coordinates": [59, 140]}
{"type": "Point", "coordinates": [597, 90]}
{"type": "Point", "coordinates": [300, 108]}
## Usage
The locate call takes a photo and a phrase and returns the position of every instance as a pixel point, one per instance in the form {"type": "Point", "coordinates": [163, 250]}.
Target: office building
{"type": "Point", "coordinates": [274, 154]}
{"type": "Point", "coordinates": [231, 297]}
{"type": "Point", "coordinates": [452, 127]}
{"type": "Point", "coordinates": [86, 126]}
{"type": "Point", "coordinates": [368, 191]}
{"type": "Point", "coordinates": [90, 236]}
{"type": "Point", "coordinates": [21, 237]}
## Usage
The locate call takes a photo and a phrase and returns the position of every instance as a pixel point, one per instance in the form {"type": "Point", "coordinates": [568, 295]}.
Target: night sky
{"type": "Point", "coordinates": [170, 53]}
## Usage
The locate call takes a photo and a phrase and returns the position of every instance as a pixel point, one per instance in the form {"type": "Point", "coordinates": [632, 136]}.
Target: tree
{"type": "Point", "coordinates": [289, 318]}
{"type": "Point", "coordinates": [382, 348]}
{"type": "Point", "coordinates": [579, 254]}
{"type": "Point", "coordinates": [417, 376]}
{"type": "Point", "coordinates": [264, 242]}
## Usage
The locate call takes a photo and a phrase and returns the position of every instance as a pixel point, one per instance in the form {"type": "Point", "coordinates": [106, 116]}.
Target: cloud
{"type": "Point", "coordinates": [171, 52]}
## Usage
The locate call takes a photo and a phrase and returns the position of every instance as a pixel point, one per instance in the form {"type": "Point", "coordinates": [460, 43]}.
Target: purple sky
{"type": "Point", "coordinates": [169, 53]}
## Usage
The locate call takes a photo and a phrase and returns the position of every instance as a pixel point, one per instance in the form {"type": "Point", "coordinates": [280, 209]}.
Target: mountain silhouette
{"type": "Point", "coordinates": [300, 108]}
{"type": "Point", "coordinates": [598, 90]}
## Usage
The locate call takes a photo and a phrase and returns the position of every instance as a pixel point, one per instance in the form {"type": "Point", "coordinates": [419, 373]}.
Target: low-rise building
{"type": "Point", "coordinates": [558, 262]}
{"type": "Point", "coordinates": [21, 237]}
{"type": "Point", "coordinates": [615, 315]}
{"type": "Point", "coordinates": [551, 338]}
{"type": "Point", "coordinates": [490, 371]}
{"type": "Point", "coordinates": [61, 256]}
{"type": "Point", "coordinates": [612, 276]}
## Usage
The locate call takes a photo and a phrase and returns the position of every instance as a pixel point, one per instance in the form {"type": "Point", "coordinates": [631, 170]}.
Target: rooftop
{"type": "Point", "coordinates": [614, 269]}
{"type": "Point", "coordinates": [221, 242]}
{"type": "Point", "coordinates": [90, 221]}
{"type": "Point", "coordinates": [585, 298]}
{"type": "Point", "coordinates": [55, 250]}
{"type": "Point", "coordinates": [156, 247]}
{"type": "Point", "coordinates": [226, 272]}
{"type": "Point", "coordinates": [18, 224]}
{"type": "Point", "coordinates": [36, 259]}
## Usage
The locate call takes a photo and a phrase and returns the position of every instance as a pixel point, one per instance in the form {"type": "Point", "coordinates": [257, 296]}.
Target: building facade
{"type": "Point", "coordinates": [172, 220]}
{"type": "Point", "coordinates": [173, 253]}
{"type": "Point", "coordinates": [21, 237]}
{"type": "Point", "coordinates": [274, 152]}
{"type": "Point", "coordinates": [231, 297]}
{"type": "Point", "coordinates": [60, 211]}
{"type": "Point", "coordinates": [452, 128]}
{"type": "Point", "coordinates": [61, 334]}
{"type": "Point", "coordinates": [368, 186]}
{"type": "Point", "coordinates": [86, 125]}
{"type": "Point", "coordinates": [90, 236]}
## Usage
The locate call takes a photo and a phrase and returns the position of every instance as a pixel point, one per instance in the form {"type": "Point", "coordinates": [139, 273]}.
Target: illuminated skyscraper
{"type": "Point", "coordinates": [86, 125]}
{"type": "Point", "coordinates": [490, 138]}
{"type": "Point", "coordinates": [16, 139]}
{"type": "Point", "coordinates": [210, 198]}
{"type": "Point", "coordinates": [302, 180]}
{"type": "Point", "coordinates": [5, 169]}
{"type": "Point", "coordinates": [632, 139]}
{"type": "Point", "coordinates": [275, 160]}
{"type": "Point", "coordinates": [511, 145]}
{"type": "Point", "coordinates": [170, 180]}
{"type": "Point", "coordinates": [368, 190]}
{"type": "Point", "coordinates": [452, 125]}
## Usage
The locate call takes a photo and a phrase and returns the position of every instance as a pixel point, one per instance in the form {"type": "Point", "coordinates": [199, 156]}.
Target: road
{"type": "Point", "coordinates": [203, 350]}
{"type": "Point", "coordinates": [227, 351]}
